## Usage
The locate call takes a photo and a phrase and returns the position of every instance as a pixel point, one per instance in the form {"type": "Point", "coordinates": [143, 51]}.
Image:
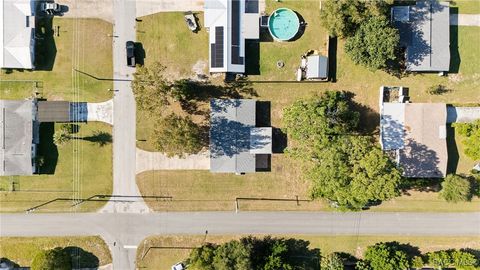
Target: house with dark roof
{"type": "Point", "coordinates": [425, 34]}
{"type": "Point", "coordinates": [230, 23]}
{"type": "Point", "coordinates": [17, 34]}
{"type": "Point", "coordinates": [237, 144]}
{"type": "Point", "coordinates": [414, 134]}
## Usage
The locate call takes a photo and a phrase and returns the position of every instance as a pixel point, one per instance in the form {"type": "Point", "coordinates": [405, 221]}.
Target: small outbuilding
{"type": "Point", "coordinates": [317, 68]}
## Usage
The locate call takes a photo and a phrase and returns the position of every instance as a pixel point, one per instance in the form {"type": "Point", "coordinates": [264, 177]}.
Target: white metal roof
{"type": "Point", "coordinates": [219, 14]}
{"type": "Point", "coordinates": [16, 34]}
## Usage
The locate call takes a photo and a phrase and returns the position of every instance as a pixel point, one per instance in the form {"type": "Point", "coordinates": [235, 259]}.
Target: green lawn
{"type": "Point", "coordinates": [355, 245]}
{"type": "Point", "coordinates": [166, 38]}
{"type": "Point", "coordinates": [204, 191]}
{"type": "Point", "coordinates": [196, 190]}
{"type": "Point", "coordinates": [92, 250]}
{"type": "Point", "coordinates": [78, 169]}
{"type": "Point", "coordinates": [466, 6]}
{"type": "Point", "coordinates": [78, 46]}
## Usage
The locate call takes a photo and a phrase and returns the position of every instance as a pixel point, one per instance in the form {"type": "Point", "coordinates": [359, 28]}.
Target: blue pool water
{"type": "Point", "coordinates": [283, 24]}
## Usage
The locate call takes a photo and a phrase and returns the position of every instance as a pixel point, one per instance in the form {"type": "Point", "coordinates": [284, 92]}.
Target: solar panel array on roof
{"type": "Point", "coordinates": [217, 48]}
{"type": "Point", "coordinates": [236, 58]}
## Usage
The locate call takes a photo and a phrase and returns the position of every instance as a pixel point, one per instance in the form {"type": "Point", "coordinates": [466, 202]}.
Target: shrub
{"type": "Point", "coordinates": [456, 189]}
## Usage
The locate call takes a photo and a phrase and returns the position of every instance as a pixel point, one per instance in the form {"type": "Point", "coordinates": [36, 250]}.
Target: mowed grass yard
{"type": "Point", "coordinates": [78, 169]}
{"type": "Point", "coordinates": [92, 250]}
{"type": "Point", "coordinates": [201, 190]}
{"type": "Point", "coordinates": [466, 6]}
{"type": "Point", "coordinates": [355, 245]}
{"type": "Point", "coordinates": [82, 44]}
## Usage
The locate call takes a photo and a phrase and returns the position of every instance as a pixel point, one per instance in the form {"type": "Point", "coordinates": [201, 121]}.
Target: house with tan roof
{"type": "Point", "coordinates": [414, 134]}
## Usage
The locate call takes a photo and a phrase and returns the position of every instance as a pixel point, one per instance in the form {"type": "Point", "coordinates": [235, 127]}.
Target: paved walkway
{"type": "Point", "coordinates": [148, 161]}
{"type": "Point", "coordinates": [465, 19]}
{"type": "Point", "coordinates": [100, 112]}
{"type": "Point", "coordinates": [462, 114]}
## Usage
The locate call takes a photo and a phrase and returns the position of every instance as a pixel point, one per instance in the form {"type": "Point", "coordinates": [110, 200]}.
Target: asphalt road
{"type": "Point", "coordinates": [124, 113]}
{"type": "Point", "coordinates": [120, 230]}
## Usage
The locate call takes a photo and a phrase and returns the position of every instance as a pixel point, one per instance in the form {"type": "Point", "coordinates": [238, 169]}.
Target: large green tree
{"type": "Point", "coordinates": [254, 253]}
{"type": "Point", "coordinates": [471, 141]}
{"type": "Point", "coordinates": [332, 262]}
{"type": "Point", "coordinates": [439, 259]}
{"type": "Point", "coordinates": [150, 87]}
{"type": "Point", "coordinates": [373, 44]}
{"type": "Point", "coordinates": [316, 121]}
{"type": "Point", "coordinates": [342, 17]}
{"type": "Point", "coordinates": [342, 166]}
{"type": "Point", "coordinates": [455, 188]}
{"type": "Point", "coordinates": [386, 256]}
{"type": "Point", "coordinates": [176, 135]}
{"type": "Point", "coordinates": [232, 256]}
{"type": "Point", "coordinates": [352, 171]}
{"type": "Point", "coordinates": [56, 258]}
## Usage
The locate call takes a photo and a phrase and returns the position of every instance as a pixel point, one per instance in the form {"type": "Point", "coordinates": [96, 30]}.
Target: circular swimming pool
{"type": "Point", "coordinates": [283, 24]}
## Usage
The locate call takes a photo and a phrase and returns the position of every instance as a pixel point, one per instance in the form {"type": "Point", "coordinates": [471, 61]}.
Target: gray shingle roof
{"type": "Point", "coordinates": [427, 36]}
{"type": "Point", "coordinates": [16, 129]}
{"type": "Point", "coordinates": [232, 122]}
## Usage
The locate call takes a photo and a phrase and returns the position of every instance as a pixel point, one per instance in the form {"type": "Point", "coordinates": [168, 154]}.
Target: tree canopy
{"type": "Point", "coordinates": [455, 188]}
{"type": "Point", "coordinates": [342, 166]}
{"type": "Point", "coordinates": [373, 44]}
{"type": "Point", "coordinates": [332, 262]}
{"type": "Point", "coordinates": [150, 88]}
{"type": "Point", "coordinates": [342, 17]}
{"type": "Point", "coordinates": [384, 256]}
{"type": "Point", "coordinates": [254, 253]}
{"type": "Point", "coordinates": [56, 258]}
{"type": "Point", "coordinates": [177, 135]}
{"type": "Point", "coordinates": [471, 134]}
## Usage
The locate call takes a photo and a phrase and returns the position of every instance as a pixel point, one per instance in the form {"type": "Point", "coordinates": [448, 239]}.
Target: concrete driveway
{"type": "Point", "coordinates": [148, 161]}
{"type": "Point", "coordinates": [465, 19]}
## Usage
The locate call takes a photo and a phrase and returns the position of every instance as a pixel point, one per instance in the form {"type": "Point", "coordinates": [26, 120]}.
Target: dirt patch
{"type": "Point", "coordinates": [455, 77]}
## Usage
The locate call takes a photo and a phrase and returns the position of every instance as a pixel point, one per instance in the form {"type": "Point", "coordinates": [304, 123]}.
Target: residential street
{"type": "Point", "coordinates": [120, 230]}
{"type": "Point", "coordinates": [124, 141]}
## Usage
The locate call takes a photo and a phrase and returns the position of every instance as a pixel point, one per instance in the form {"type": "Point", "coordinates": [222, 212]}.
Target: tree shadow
{"type": "Point", "coordinates": [452, 150]}
{"type": "Point", "coordinates": [417, 160]}
{"type": "Point", "coordinates": [101, 138]}
{"type": "Point", "coordinates": [82, 258]}
{"type": "Point", "coordinates": [47, 149]}
{"type": "Point", "coordinates": [369, 120]}
{"type": "Point", "coordinates": [194, 92]}
{"type": "Point", "coordinates": [45, 47]}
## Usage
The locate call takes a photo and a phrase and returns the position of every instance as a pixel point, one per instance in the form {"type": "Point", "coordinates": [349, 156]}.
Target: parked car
{"type": "Point", "coordinates": [51, 8]}
{"type": "Point", "coordinates": [191, 21]}
{"type": "Point", "coordinates": [178, 266]}
{"type": "Point", "coordinates": [130, 46]}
